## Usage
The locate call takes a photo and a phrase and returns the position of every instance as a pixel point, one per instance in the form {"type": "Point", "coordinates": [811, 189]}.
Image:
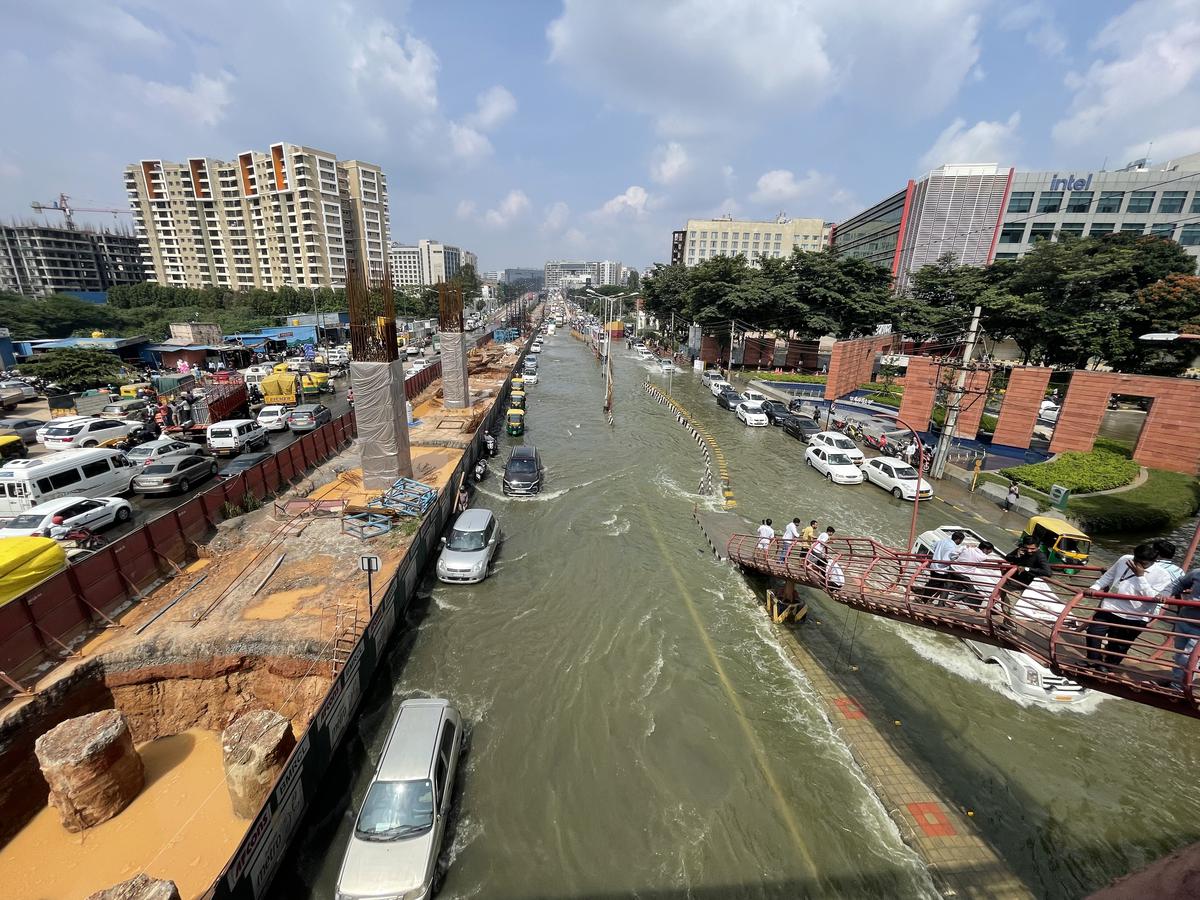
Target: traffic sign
{"type": "Point", "coordinates": [369, 563]}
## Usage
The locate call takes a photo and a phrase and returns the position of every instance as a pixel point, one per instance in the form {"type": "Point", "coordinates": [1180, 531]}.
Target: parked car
{"type": "Point", "coordinates": [152, 451]}
{"type": "Point", "coordinates": [531, 360]}
{"type": "Point", "coordinates": [232, 436]}
{"type": "Point", "coordinates": [834, 441]}
{"type": "Point", "coordinates": [125, 409]}
{"type": "Point", "coordinates": [397, 838]}
{"type": "Point", "coordinates": [309, 417]}
{"type": "Point", "coordinates": [273, 417]}
{"type": "Point", "coordinates": [834, 465]}
{"type": "Point", "coordinates": [776, 411]}
{"type": "Point", "coordinates": [531, 376]}
{"type": "Point", "coordinates": [756, 396]}
{"type": "Point", "coordinates": [711, 375]}
{"type": "Point", "coordinates": [77, 512]}
{"type": "Point", "coordinates": [26, 428]}
{"type": "Point", "coordinates": [242, 463]}
{"type": "Point", "coordinates": [523, 474]}
{"type": "Point", "coordinates": [729, 399]}
{"type": "Point", "coordinates": [174, 473]}
{"type": "Point", "coordinates": [717, 385]}
{"type": "Point", "coordinates": [536, 348]}
{"type": "Point", "coordinates": [40, 434]}
{"type": "Point", "coordinates": [467, 553]}
{"type": "Point", "coordinates": [87, 432]}
{"type": "Point", "coordinates": [751, 413]}
{"type": "Point", "coordinates": [28, 391]}
{"type": "Point", "coordinates": [896, 477]}
{"type": "Point", "coordinates": [801, 429]}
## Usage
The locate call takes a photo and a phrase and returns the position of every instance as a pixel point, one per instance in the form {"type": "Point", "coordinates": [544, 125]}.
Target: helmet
{"type": "Point", "coordinates": [57, 520]}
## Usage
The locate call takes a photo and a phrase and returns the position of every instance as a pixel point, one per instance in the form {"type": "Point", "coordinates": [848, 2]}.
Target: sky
{"type": "Point", "coordinates": [589, 129]}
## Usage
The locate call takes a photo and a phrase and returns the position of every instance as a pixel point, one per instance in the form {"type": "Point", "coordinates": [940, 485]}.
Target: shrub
{"type": "Point", "coordinates": [1165, 499]}
{"type": "Point", "coordinates": [798, 379]}
{"type": "Point", "coordinates": [1099, 470]}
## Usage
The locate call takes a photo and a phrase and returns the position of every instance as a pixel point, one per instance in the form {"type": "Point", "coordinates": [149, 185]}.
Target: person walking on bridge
{"type": "Point", "coordinates": [808, 535]}
{"type": "Point", "coordinates": [819, 552]}
{"type": "Point", "coordinates": [790, 535]}
{"type": "Point", "coordinates": [766, 534]}
{"type": "Point", "coordinates": [1119, 620]}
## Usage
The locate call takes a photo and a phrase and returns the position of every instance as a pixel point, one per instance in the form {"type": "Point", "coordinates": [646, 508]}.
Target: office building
{"type": "Point", "coordinates": [36, 260]}
{"type": "Point", "coordinates": [426, 263]}
{"type": "Point", "coordinates": [536, 278]}
{"type": "Point", "coordinates": [405, 263]}
{"type": "Point", "coordinates": [609, 273]}
{"type": "Point", "coordinates": [580, 274]}
{"type": "Point", "coordinates": [707, 238]}
{"type": "Point", "coordinates": [291, 216]}
{"type": "Point", "coordinates": [977, 214]}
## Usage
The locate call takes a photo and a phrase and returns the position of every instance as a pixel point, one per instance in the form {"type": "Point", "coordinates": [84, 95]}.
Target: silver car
{"type": "Point", "coordinates": [467, 553]}
{"type": "Point", "coordinates": [393, 850]}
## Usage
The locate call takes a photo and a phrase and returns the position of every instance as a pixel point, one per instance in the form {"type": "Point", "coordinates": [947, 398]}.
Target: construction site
{"type": "Point", "coordinates": [179, 731]}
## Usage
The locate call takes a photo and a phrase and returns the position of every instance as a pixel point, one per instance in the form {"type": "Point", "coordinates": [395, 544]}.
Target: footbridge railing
{"type": "Point", "coordinates": [1142, 649]}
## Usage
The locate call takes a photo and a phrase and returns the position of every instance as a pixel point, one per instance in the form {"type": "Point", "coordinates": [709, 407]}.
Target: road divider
{"type": "Point", "coordinates": [714, 457]}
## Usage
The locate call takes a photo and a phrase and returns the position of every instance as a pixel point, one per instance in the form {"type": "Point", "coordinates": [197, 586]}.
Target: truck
{"type": "Point", "coordinates": [284, 388]}
{"type": "Point", "coordinates": [220, 401]}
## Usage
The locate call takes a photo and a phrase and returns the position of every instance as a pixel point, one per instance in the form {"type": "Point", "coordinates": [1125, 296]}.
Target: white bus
{"type": "Point", "coordinates": [98, 472]}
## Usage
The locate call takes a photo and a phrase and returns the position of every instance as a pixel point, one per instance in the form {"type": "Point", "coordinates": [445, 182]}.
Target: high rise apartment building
{"type": "Point", "coordinates": [36, 260]}
{"type": "Point", "coordinates": [564, 273]}
{"type": "Point", "coordinates": [291, 216]}
{"type": "Point", "coordinates": [707, 238]}
{"type": "Point", "coordinates": [426, 263]}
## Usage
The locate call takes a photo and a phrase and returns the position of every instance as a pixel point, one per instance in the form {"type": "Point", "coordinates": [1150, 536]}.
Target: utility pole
{"type": "Point", "coordinates": [730, 366]}
{"type": "Point", "coordinates": [954, 402]}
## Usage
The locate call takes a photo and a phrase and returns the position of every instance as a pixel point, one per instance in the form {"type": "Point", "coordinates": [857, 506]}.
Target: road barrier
{"type": "Point", "coordinates": [712, 453]}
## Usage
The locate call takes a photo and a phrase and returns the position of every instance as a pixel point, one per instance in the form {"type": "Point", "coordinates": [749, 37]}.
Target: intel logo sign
{"type": "Point", "coordinates": [1070, 183]}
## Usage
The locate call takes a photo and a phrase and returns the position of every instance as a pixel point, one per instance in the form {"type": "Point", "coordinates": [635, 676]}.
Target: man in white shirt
{"type": "Point", "coordinates": [766, 534]}
{"type": "Point", "coordinates": [820, 548]}
{"type": "Point", "coordinates": [1119, 620]}
{"type": "Point", "coordinates": [1164, 572]}
{"type": "Point", "coordinates": [791, 533]}
{"type": "Point", "coordinates": [982, 581]}
{"type": "Point", "coordinates": [942, 580]}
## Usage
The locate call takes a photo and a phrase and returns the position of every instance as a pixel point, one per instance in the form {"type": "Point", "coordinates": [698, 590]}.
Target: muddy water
{"type": "Point", "coordinates": [637, 731]}
{"type": "Point", "coordinates": [180, 823]}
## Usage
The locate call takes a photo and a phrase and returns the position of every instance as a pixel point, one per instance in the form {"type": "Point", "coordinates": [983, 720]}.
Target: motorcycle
{"type": "Point", "coordinates": [489, 442]}
{"type": "Point", "coordinates": [481, 471]}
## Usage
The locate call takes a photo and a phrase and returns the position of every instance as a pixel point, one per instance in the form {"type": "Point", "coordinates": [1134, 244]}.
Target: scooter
{"type": "Point", "coordinates": [481, 471]}
{"type": "Point", "coordinates": [489, 442]}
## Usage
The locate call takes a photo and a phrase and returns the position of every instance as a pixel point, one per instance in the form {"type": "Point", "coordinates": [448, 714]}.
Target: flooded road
{"type": "Point", "coordinates": [637, 730]}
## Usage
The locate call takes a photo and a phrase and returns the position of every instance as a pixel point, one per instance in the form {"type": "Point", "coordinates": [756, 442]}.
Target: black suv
{"type": "Point", "coordinates": [777, 413]}
{"type": "Point", "coordinates": [801, 429]}
{"type": "Point", "coordinates": [523, 474]}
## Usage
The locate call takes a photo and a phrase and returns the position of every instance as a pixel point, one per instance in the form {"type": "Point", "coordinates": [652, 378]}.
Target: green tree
{"type": "Point", "coordinates": [75, 369]}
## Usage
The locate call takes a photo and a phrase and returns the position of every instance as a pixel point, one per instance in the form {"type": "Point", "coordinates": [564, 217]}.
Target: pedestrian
{"type": "Point", "coordinates": [766, 534]}
{"type": "Point", "coordinates": [808, 535]}
{"type": "Point", "coordinates": [942, 576]}
{"type": "Point", "coordinates": [1187, 623]}
{"type": "Point", "coordinates": [910, 452]}
{"type": "Point", "coordinates": [1030, 561]}
{"type": "Point", "coordinates": [1164, 572]}
{"type": "Point", "coordinates": [819, 552]}
{"type": "Point", "coordinates": [1119, 620]}
{"type": "Point", "coordinates": [1014, 494]}
{"type": "Point", "coordinates": [791, 533]}
{"type": "Point", "coordinates": [981, 580]}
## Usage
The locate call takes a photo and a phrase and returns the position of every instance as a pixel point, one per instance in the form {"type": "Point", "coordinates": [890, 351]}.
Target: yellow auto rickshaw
{"type": "Point", "coordinates": [11, 446]}
{"type": "Point", "coordinates": [516, 400]}
{"type": "Point", "coordinates": [1061, 541]}
{"type": "Point", "coordinates": [518, 383]}
{"type": "Point", "coordinates": [134, 390]}
{"type": "Point", "coordinates": [514, 422]}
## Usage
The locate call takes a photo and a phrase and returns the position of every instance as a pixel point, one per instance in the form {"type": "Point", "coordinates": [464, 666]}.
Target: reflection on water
{"type": "Point", "coordinates": [181, 827]}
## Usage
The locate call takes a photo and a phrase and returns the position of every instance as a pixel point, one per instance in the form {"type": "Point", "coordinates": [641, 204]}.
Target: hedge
{"type": "Point", "coordinates": [1099, 470]}
{"type": "Point", "coordinates": [1163, 500]}
{"type": "Point", "coordinates": [799, 379]}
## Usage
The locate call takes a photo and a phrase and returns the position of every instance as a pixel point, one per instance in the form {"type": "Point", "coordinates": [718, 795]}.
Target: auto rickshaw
{"type": "Point", "coordinates": [514, 422]}
{"type": "Point", "coordinates": [518, 383]}
{"type": "Point", "coordinates": [1061, 541]}
{"type": "Point", "coordinates": [134, 391]}
{"type": "Point", "coordinates": [11, 446]}
{"type": "Point", "coordinates": [516, 400]}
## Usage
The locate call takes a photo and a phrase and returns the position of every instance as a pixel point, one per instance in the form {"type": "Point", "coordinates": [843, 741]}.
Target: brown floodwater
{"type": "Point", "coordinates": [180, 827]}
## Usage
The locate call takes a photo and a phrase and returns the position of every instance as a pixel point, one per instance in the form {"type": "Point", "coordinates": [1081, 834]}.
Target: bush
{"type": "Point", "coordinates": [1165, 499]}
{"type": "Point", "coordinates": [798, 379]}
{"type": "Point", "coordinates": [1099, 470]}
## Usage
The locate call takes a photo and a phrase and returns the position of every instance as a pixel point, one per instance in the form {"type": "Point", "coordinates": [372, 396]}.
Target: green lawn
{"type": "Point", "coordinates": [1101, 469]}
{"type": "Point", "coordinates": [1160, 503]}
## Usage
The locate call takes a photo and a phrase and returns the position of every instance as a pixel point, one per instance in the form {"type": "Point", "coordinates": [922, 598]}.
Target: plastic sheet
{"type": "Point", "coordinates": [27, 561]}
{"type": "Point", "coordinates": [456, 392]}
{"type": "Point", "coordinates": [379, 407]}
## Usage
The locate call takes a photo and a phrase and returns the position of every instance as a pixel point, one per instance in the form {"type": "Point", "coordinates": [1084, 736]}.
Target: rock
{"type": "Point", "coordinates": [141, 887]}
{"type": "Point", "coordinates": [92, 768]}
{"type": "Point", "coordinates": [254, 749]}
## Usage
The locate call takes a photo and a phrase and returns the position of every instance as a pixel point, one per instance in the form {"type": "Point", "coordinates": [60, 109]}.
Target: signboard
{"type": "Point", "coordinates": [369, 563]}
{"type": "Point", "coordinates": [1070, 183]}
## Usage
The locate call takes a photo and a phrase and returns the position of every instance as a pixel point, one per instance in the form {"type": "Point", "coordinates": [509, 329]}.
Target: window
{"type": "Point", "coordinates": [94, 469]}
{"type": "Point", "coordinates": [1140, 202]}
{"type": "Point", "coordinates": [1110, 201]}
{"type": "Point", "coordinates": [1163, 230]}
{"type": "Point", "coordinates": [1189, 237]}
{"type": "Point", "coordinates": [1172, 201]}
{"type": "Point", "coordinates": [1007, 255]}
{"type": "Point", "coordinates": [1195, 203]}
{"type": "Point", "coordinates": [1079, 202]}
{"type": "Point", "coordinates": [1041, 231]}
{"type": "Point", "coordinates": [1050, 201]}
{"type": "Point", "coordinates": [1133, 227]}
{"type": "Point", "coordinates": [1071, 229]}
{"type": "Point", "coordinates": [1012, 233]}
{"type": "Point", "coordinates": [64, 479]}
{"type": "Point", "coordinates": [1020, 201]}
{"type": "Point", "coordinates": [1102, 228]}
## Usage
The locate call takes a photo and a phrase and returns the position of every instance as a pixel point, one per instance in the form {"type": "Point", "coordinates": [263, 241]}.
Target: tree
{"type": "Point", "coordinates": [634, 279]}
{"type": "Point", "coordinates": [75, 369]}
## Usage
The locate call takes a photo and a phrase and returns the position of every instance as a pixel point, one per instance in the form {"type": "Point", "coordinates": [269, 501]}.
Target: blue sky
{"type": "Point", "coordinates": [534, 130]}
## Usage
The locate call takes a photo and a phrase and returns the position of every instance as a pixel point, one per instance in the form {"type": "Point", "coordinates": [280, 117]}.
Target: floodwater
{"type": "Point", "coordinates": [180, 822]}
{"type": "Point", "coordinates": [636, 730]}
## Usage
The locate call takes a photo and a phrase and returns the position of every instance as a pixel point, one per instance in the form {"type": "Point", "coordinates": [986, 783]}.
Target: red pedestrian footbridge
{"type": "Point", "coordinates": [1151, 659]}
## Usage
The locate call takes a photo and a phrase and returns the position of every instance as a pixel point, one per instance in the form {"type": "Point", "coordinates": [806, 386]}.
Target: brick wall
{"type": "Point", "coordinates": [1022, 401]}
{"type": "Point", "coordinates": [920, 390]}
{"type": "Point", "coordinates": [850, 364]}
{"type": "Point", "coordinates": [974, 399]}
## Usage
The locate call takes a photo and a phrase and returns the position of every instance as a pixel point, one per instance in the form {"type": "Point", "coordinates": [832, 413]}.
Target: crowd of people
{"type": "Point", "coordinates": [807, 544]}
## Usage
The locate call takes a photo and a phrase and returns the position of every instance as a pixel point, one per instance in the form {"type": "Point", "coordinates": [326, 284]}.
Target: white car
{"type": "Point", "coordinates": [40, 434]}
{"type": "Point", "coordinates": [91, 512]}
{"type": "Point", "coordinates": [668, 367]}
{"type": "Point", "coordinates": [537, 347]}
{"type": "Point", "coordinates": [273, 418]}
{"type": "Point", "coordinates": [834, 441]}
{"type": "Point", "coordinates": [530, 376]}
{"type": "Point", "coordinates": [897, 477]}
{"type": "Point", "coordinates": [751, 413]}
{"type": "Point", "coordinates": [754, 396]}
{"type": "Point", "coordinates": [834, 465]}
{"type": "Point", "coordinates": [86, 432]}
{"type": "Point", "coordinates": [152, 451]}
{"type": "Point", "coordinates": [709, 376]}
{"type": "Point", "coordinates": [718, 386]}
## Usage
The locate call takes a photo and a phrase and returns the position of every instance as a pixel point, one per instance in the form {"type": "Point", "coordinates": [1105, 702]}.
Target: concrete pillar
{"type": "Point", "coordinates": [970, 412]}
{"type": "Point", "coordinates": [456, 389]}
{"type": "Point", "coordinates": [254, 750]}
{"type": "Point", "coordinates": [1082, 411]}
{"type": "Point", "coordinates": [379, 409]}
{"type": "Point", "coordinates": [92, 768]}
{"type": "Point", "coordinates": [920, 391]}
{"type": "Point", "coordinates": [1022, 402]}
{"type": "Point", "coordinates": [140, 887]}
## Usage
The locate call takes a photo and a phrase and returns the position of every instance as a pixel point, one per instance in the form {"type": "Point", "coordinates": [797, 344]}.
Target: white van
{"type": "Point", "coordinates": [99, 472]}
{"type": "Point", "coordinates": [255, 374]}
{"type": "Point", "coordinates": [232, 436]}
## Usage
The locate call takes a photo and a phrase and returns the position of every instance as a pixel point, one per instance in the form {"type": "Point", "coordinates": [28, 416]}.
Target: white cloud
{"type": "Point", "coordinates": [696, 65]}
{"type": "Point", "coordinates": [492, 108]}
{"type": "Point", "coordinates": [633, 203]}
{"type": "Point", "coordinates": [575, 238]}
{"type": "Point", "coordinates": [983, 142]}
{"type": "Point", "coordinates": [468, 144]}
{"type": "Point", "coordinates": [514, 205]}
{"type": "Point", "coordinates": [671, 162]}
{"type": "Point", "coordinates": [1149, 76]}
{"type": "Point", "coordinates": [556, 218]}
{"type": "Point", "coordinates": [1038, 22]}
{"type": "Point", "coordinates": [465, 209]}
{"type": "Point", "coordinates": [406, 68]}
{"type": "Point", "coordinates": [815, 188]}
{"type": "Point", "coordinates": [204, 102]}
{"type": "Point", "coordinates": [1165, 147]}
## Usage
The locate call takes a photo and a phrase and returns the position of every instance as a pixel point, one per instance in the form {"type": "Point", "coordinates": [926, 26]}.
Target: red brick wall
{"type": "Point", "coordinates": [1022, 401]}
{"type": "Point", "coordinates": [920, 390]}
{"type": "Point", "coordinates": [973, 401]}
{"type": "Point", "coordinates": [850, 364]}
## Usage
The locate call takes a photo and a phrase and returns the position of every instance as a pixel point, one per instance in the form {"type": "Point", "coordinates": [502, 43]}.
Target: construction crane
{"type": "Point", "coordinates": [63, 205]}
